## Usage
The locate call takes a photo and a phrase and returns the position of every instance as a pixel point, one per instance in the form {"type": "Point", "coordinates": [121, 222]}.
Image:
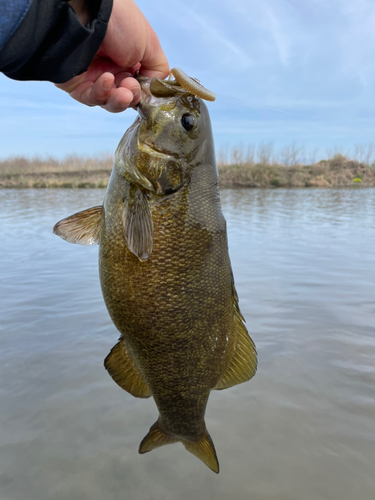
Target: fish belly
{"type": "Point", "coordinates": [174, 310]}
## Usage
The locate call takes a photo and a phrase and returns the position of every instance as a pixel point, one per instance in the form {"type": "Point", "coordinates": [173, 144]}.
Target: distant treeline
{"type": "Point", "coordinates": [238, 167]}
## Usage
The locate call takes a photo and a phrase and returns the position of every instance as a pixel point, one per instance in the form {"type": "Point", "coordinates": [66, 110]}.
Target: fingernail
{"type": "Point", "coordinates": [136, 93]}
{"type": "Point", "coordinates": [107, 85]}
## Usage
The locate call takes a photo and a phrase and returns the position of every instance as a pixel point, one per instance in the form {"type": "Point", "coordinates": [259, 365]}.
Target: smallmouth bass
{"type": "Point", "coordinates": [164, 268]}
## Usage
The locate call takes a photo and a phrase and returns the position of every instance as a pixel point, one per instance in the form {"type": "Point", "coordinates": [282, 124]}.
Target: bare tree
{"type": "Point", "coordinates": [265, 153]}
{"type": "Point", "coordinates": [291, 155]}
{"type": "Point", "coordinates": [364, 153]}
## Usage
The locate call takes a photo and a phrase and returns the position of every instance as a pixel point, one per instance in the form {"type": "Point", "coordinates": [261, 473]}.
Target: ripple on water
{"type": "Point", "coordinates": [303, 428]}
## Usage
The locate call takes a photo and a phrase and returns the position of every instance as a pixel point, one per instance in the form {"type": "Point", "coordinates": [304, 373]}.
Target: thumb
{"type": "Point", "coordinates": [154, 61]}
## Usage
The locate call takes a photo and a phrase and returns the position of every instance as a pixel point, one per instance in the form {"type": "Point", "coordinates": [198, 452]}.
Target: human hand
{"type": "Point", "coordinates": [130, 44]}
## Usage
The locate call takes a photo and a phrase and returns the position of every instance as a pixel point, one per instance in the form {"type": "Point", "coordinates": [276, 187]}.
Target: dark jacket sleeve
{"type": "Point", "coordinates": [51, 43]}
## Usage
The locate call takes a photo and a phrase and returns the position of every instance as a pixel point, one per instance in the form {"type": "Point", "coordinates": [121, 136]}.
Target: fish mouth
{"type": "Point", "coordinates": [154, 151]}
{"type": "Point", "coordinates": [155, 90]}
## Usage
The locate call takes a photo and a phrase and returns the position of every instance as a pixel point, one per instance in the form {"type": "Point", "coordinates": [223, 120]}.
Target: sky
{"type": "Point", "coordinates": [284, 71]}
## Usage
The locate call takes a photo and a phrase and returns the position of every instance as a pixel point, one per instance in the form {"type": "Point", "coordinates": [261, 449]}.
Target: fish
{"type": "Point", "coordinates": [164, 268]}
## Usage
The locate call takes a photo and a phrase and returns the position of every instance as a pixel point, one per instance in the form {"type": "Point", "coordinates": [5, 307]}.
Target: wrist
{"type": "Point", "coordinates": [82, 10]}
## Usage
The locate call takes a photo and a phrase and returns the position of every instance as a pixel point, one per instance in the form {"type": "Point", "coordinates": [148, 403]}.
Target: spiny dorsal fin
{"type": "Point", "coordinates": [122, 369]}
{"type": "Point", "coordinates": [82, 228]}
{"type": "Point", "coordinates": [137, 223]}
{"type": "Point", "coordinates": [235, 299]}
{"type": "Point", "coordinates": [243, 363]}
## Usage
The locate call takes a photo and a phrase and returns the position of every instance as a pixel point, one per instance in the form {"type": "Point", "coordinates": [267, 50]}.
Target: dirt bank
{"type": "Point", "coordinates": [94, 173]}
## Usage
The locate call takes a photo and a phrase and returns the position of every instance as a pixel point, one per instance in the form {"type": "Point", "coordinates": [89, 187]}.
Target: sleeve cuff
{"type": "Point", "coordinates": [51, 44]}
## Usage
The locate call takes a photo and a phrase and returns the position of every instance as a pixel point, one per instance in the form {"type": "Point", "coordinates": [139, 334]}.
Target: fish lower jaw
{"type": "Point", "coordinates": [146, 148]}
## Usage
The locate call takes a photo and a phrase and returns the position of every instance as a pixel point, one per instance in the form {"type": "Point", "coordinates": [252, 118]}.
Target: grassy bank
{"type": "Point", "coordinates": [236, 172]}
{"type": "Point", "coordinates": [333, 173]}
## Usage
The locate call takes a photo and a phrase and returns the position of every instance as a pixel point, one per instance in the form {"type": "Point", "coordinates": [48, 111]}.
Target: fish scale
{"type": "Point", "coordinates": [165, 271]}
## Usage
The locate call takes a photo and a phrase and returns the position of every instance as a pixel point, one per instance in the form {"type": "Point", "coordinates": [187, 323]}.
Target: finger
{"type": "Point", "coordinates": [99, 93]}
{"type": "Point", "coordinates": [98, 67]}
{"type": "Point", "coordinates": [133, 85]}
{"type": "Point", "coordinates": [119, 100]}
{"type": "Point", "coordinates": [80, 90]}
{"type": "Point", "coordinates": [101, 65]}
{"type": "Point", "coordinates": [136, 91]}
{"type": "Point", "coordinates": [126, 82]}
{"type": "Point", "coordinates": [125, 77]}
{"type": "Point", "coordinates": [154, 61]}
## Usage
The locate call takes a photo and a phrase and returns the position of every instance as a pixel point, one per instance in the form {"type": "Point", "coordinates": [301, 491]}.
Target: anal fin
{"type": "Point", "coordinates": [122, 369]}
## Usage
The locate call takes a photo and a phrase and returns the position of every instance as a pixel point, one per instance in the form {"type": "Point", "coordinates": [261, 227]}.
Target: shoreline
{"type": "Point", "coordinates": [75, 173]}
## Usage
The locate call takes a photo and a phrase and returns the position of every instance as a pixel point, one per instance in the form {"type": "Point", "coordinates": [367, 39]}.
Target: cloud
{"type": "Point", "coordinates": [280, 68]}
{"type": "Point", "coordinates": [219, 41]}
{"type": "Point", "coordinates": [278, 34]}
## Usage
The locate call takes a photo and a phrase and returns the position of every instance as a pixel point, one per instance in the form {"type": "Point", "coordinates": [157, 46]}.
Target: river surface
{"type": "Point", "coordinates": [302, 429]}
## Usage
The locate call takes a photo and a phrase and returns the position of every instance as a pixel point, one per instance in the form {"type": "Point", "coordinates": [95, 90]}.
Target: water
{"type": "Point", "coordinates": [302, 429]}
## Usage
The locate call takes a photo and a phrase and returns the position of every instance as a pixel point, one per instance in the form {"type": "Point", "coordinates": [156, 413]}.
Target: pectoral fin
{"type": "Point", "coordinates": [243, 363]}
{"type": "Point", "coordinates": [137, 223]}
{"type": "Point", "coordinates": [82, 228]}
{"type": "Point", "coordinates": [122, 369]}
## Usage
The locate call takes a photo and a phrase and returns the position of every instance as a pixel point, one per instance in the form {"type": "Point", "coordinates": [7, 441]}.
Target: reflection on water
{"type": "Point", "coordinates": [302, 429]}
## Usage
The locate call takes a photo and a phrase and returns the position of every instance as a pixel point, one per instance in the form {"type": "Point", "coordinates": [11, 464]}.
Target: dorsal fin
{"type": "Point", "coordinates": [122, 369]}
{"type": "Point", "coordinates": [243, 363]}
{"type": "Point", "coordinates": [82, 228]}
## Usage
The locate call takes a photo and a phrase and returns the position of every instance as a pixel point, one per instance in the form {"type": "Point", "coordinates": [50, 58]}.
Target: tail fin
{"type": "Point", "coordinates": [203, 449]}
{"type": "Point", "coordinates": [155, 438]}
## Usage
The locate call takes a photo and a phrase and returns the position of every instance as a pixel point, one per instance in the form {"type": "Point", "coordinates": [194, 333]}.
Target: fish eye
{"type": "Point", "coordinates": [188, 121]}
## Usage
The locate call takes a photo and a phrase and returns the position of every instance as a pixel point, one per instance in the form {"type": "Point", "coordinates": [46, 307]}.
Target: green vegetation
{"type": "Point", "coordinates": [260, 167]}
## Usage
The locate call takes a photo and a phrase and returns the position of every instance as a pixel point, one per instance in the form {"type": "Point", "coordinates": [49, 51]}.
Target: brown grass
{"type": "Point", "coordinates": [259, 166]}
{"type": "Point", "coordinates": [336, 172]}
{"type": "Point", "coordinates": [291, 166]}
{"type": "Point", "coordinates": [71, 172]}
